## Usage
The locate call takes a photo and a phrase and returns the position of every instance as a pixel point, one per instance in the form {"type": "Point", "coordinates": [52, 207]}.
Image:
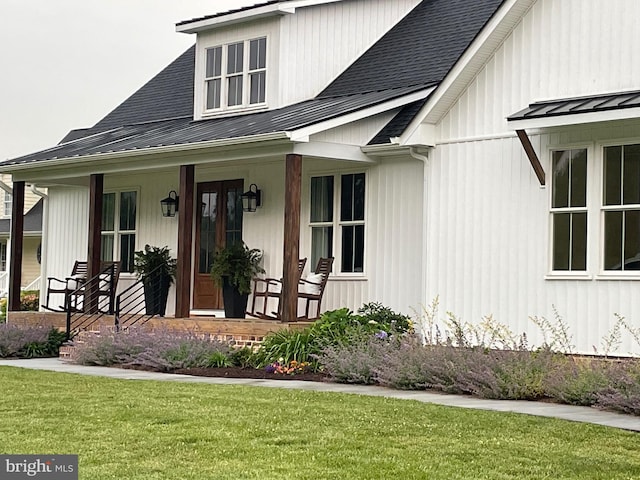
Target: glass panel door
{"type": "Point", "coordinates": [218, 222]}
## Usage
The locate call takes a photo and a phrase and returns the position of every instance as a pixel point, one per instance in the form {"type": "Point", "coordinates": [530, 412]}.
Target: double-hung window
{"type": "Point", "coordinates": [569, 210]}
{"type": "Point", "coordinates": [8, 204]}
{"type": "Point", "coordinates": [236, 74]}
{"type": "Point", "coordinates": [338, 220]}
{"type": "Point", "coordinates": [621, 207]}
{"type": "Point", "coordinates": [119, 211]}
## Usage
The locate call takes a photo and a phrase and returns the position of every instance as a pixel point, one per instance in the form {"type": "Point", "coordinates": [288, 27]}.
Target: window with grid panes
{"type": "Point", "coordinates": [119, 211]}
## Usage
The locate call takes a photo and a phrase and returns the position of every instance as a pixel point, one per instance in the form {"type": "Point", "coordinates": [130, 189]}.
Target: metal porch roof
{"type": "Point", "coordinates": [184, 130]}
{"type": "Point", "coordinates": [577, 105]}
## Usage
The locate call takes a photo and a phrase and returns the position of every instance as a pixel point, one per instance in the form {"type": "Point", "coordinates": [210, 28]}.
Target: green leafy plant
{"type": "Point", "coordinates": [239, 263]}
{"type": "Point", "coordinates": [219, 360]}
{"type": "Point", "coordinates": [152, 258]}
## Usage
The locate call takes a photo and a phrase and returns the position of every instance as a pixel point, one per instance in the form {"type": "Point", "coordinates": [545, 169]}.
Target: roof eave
{"type": "Point", "coordinates": [170, 149]}
{"type": "Point", "coordinates": [467, 66]}
{"type": "Point", "coordinates": [277, 9]}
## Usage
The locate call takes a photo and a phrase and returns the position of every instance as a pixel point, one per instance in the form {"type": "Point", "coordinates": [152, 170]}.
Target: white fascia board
{"type": "Point", "coordinates": [332, 151]}
{"type": "Point", "coordinates": [469, 64]}
{"type": "Point", "coordinates": [303, 134]}
{"type": "Point", "coordinates": [575, 119]}
{"type": "Point", "coordinates": [95, 159]}
{"type": "Point", "coordinates": [281, 8]}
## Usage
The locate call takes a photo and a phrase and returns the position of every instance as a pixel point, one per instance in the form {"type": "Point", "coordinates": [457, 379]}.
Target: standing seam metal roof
{"type": "Point", "coordinates": [186, 131]}
{"type": "Point", "coordinates": [575, 105]}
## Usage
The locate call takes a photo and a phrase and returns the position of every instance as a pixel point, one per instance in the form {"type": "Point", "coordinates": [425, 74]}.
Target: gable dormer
{"type": "Point", "coordinates": [281, 52]}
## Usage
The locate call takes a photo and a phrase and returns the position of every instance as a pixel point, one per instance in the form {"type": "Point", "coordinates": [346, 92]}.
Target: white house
{"type": "Point", "coordinates": [482, 151]}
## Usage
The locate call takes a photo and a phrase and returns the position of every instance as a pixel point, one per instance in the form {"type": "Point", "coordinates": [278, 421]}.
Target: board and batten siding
{"type": "Point", "coordinates": [489, 234]}
{"type": "Point", "coordinates": [67, 231]}
{"type": "Point", "coordinates": [393, 235]}
{"type": "Point", "coordinates": [306, 50]}
{"type": "Point", "coordinates": [318, 43]}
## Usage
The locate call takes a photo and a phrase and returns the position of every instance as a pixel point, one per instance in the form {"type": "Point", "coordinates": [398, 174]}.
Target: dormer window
{"type": "Point", "coordinates": [233, 78]}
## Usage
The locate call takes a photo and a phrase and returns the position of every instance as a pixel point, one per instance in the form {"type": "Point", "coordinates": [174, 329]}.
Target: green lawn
{"type": "Point", "coordinates": [162, 430]}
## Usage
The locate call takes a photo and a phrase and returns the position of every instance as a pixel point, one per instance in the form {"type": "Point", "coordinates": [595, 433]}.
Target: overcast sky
{"type": "Point", "coordinates": [65, 64]}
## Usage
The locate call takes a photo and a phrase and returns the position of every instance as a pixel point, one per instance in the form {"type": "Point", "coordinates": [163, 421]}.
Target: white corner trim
{"type": "Point", "coordinates": [302, 133]}
{"type": "Point", "coordinates": [469, 64]}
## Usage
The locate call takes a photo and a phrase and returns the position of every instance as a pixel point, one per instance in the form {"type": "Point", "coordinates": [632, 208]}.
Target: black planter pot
{"type": "Point", "coordinates": [156, 293]}
{"type": "Point", "coordinates": [235, 303]}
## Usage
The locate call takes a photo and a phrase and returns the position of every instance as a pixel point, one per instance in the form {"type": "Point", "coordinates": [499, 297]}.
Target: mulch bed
{"type": "Point", "coordinates": [237, 372]}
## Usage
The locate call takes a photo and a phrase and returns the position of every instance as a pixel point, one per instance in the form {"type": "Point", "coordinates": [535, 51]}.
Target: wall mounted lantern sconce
{"type": "Point", "coordinates": [170, 204]}
{"type": "Point", "coordinates": [252, 198]}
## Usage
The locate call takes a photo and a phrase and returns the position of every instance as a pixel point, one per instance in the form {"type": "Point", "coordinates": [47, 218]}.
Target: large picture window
{"type": "Point", "coordinates": [338, 205]}
{"type": "Point", "coordinates": [621, 207]}
{"type": "Point", "coordinates": [119, 211]}
{"type": "Point", "coordinates": [236, 74]}
{"type": "Point", "coordinates": [569, 210]}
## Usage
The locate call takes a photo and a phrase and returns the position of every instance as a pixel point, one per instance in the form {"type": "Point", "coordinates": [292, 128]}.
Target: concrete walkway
{"type": "Point", "coordinates": [565, 412]}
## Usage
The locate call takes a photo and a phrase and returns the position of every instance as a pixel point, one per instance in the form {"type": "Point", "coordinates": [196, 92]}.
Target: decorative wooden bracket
{"type": "Point", "coordinates": [531, 153]}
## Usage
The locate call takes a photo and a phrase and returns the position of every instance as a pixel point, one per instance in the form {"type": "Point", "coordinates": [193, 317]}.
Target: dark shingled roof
{"type": "Point", "coordinates": [167, 95]}
{"type": "Point", "coordinates": [32, 221]}
{"type": "Point", "coordinates": [396, 126]}
{"type": "Point", "coordinates": [185, 131]}
{"type": "Point", "coordinates": [572, 106]}
{"type": "Point", "coordinates": [417, 53]}
{"type": "Point", "coordinates": [420, 49]}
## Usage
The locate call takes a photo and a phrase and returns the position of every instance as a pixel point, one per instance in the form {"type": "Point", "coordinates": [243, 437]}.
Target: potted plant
{"type": "Point", "coordinates": [233, 268]}
{"type": "Point", "coordinates": [157, 270]}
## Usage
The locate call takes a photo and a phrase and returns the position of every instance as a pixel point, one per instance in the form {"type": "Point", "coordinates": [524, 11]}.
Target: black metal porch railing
{"type": "Point", "coordinates": [143, 300]}
{"type": "Point", "coordinates": [91, 300]}
{"type": "Point", "coordinates": [95, 299]}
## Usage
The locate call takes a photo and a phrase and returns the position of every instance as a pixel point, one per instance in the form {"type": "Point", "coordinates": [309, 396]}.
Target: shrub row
{"type": "Point", "coordinates": [404, 362]}
{"type": "Point", "coordinates": [159, 350]}
{"type": "Point", "coordinates": [29, 342]}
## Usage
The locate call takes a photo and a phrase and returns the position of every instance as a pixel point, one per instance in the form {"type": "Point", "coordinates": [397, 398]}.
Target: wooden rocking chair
{"type": "Point", "coordinates": [267, 288]}
{"type": "Point", "coordinates": [311, 289]}
{"type": "Point", "coordinates": [73, 287]}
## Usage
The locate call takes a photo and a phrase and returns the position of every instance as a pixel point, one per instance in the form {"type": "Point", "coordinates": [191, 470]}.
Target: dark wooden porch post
{"type": "Point", "coordinates": [185, 241]}
{"type": "Point", "coordinates": [17, 234]}
{"type": "Point", "coordinates": [96, 188]}
{"type": "Point", "coordinates": [293, 186]}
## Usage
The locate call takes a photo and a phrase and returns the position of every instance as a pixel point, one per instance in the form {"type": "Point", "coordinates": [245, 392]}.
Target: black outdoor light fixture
{"type": "Point", "coordinates": [170, 204]}
{"type": "Point", "coordinates": [252, 198]}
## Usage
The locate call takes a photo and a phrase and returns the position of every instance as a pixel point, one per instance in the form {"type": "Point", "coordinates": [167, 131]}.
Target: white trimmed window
{"type": "Point", "coordinates": [8, 204]}
{"type": "Point", "coordinates": [337, 220]}
{"type": "Point", "coordinates": [569, 210]}
{"type": "Point", "coordinates": [236, 74]}
{"type": "Point", "coordinates": [3, 257]}
{"type": "Point", "coordinates": [621, 208]}
{"type": "Point", "coordinates": [119, 212]}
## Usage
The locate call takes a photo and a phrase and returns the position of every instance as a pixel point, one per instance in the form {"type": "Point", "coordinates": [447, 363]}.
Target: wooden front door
{"type": "Point", "coordinates": [218, 223]}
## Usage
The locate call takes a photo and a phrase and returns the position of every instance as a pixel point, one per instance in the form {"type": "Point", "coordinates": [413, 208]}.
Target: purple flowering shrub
{"type": "Point", "coordinates": [29, 342]}
{"type": "Point", "coordinates": [160, 350]}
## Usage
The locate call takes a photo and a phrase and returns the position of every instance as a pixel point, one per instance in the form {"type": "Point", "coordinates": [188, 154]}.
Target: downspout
{"type": "Point", "coordinates": [43, 240]}
{"type": "Point", "coordinates": [413, 151]}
